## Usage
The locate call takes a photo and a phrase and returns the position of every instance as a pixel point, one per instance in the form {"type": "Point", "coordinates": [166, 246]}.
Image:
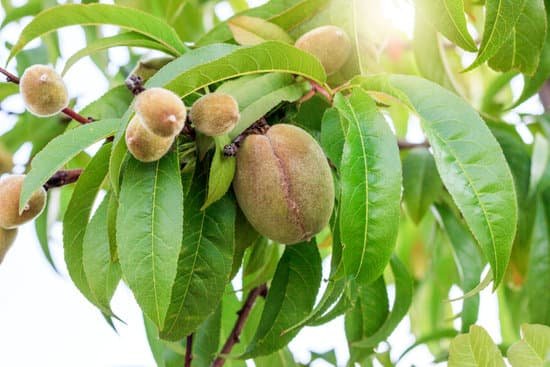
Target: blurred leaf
{"type": "Point", "coordinates": [534, 348]}
{"type": "Point", "coordinates": [539, 162]}
{"type": "Point", "coordinates": [41, 226]}
{"type": "Point", "coordinates": [287, 14]}
{"type": "Point", "coordinates": [369, 311]}
{"type": "Point", "coordinates": [36, 130]}
{"type": "Point", "coordinates": [429, 54]}
{"type": "Point", "coordinates": [421, 183]}
{"type": "Point", "coordinates": [282, 357]}
{"type": "Point", "coordinates": [333, 136]}
{"type": "Point", "coordinates": [401, 304]}
{"type": "Point", "coordinates": [533, 83]}
{"type": "Point", "coordinates": [523, 48]}
{"type": "Point", "coordinates": [371, 188]}
{"type": "Point", "coordinates": [221, 174]}
{"type": "Point", "coordinates": [245, 237]}
{"type": "Point", "coordinates": [32, 7]}
{"type": "Point", "coordinates": [128, 39]}
{"type": "Point", "coordinates": [149, 230]}
{"type": "Point", "coordinates": [260, 264]}
{"type": "Point", "coordinates": [436, 335]}
{"type": "Point", "coordinates": [97, 14]}
{"type": "Point", "coordinates": [474, 349]}
{"type": "Point", "coordinates": [500, 19]}
{"type": "Point", "coordinates": [290, 298]}
{"type": "Point", "coordinates": [538, 275]}
{"type": "Point", "coordinates": [468, 262]}
{"type": "Point", "coordinates": [112, 104]}
{"type": "Point", "coordinates": [206, 340]}
{"type": "Point", "coordinates": [75, 220]}
{"type": "Point", "coordinates": [8, 89]}
{"type": "Point", "coordinates": [250, 31]}
{"type": "Point", "coordinates": [102, 274]}
{"type": "Point", "coordinates": [447, 16]}
{"type": "Point", "coordinates": [204, 263]}
{"type": "Point", "coordinates": [60, 150]}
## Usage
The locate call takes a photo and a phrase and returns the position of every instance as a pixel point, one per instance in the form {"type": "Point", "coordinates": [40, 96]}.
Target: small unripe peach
{"type": "Point", "coordinates": [143, 144]}
{"type": "Point", "coordinates": [330, 44]}
{"type": "Point", "coordinates": [43, 90]}
{"type": "Point", "coordinates": [7, 237]}
{"type": "Point", "coordinates": [161, 111]}
{"type": "Point", "coordinates": [10, 192]}
{"type": "Point", "coordinates": [215, 114]}
{"type": "Point", "coordinates": [284, 184]}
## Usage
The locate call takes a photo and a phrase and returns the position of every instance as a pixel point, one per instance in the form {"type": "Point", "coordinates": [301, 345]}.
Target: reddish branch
{"type": "Point", "coordinates": [189, 350]}
{"type": "Point", "coordinates": [62, 178]}
{"type": "Point", "coordinates": [67, 111]}
{"type": "Point", "coordinates": [243, 313]}
{"type": "Point", "coordinates": [544, 95]}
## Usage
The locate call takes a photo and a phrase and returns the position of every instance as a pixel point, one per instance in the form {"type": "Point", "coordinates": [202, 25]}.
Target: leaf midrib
{"type": "Point", "coordinates": [195, 257]}
{"type": "Point", "coordinates": [365, 163]}
{"type": "Point", "coordinates": [153, 215]}
{"type": "Point", "coordinates": [481, 205]}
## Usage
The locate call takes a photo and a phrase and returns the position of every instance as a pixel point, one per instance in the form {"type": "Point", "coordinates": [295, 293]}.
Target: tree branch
{"type": "Point", "coordinates": [243, 313]}
{"type": "Point", "coordinates": [62, 178]}
{"type": "Point", "coordinates": [189, 350]}
{"type": "Point", "coordinates": [404, 145]}
{"type": "Point", "coordinates": [544, 95]}
{"type": "Point", "coordinates": [67, 111]}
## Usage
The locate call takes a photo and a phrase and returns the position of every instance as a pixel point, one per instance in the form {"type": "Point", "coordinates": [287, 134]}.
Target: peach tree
{"type": "Point", "coordinates": [280, 166]}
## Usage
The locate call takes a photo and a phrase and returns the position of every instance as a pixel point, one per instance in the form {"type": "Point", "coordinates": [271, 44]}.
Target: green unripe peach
{"type": "Point", "coordinates": [161, 111]}
{"type": "Point", "coordinates": [143, 144]}
{"type": "Point", "coordinates": [43, 90]}
{"type": "Point", "coordinates": [10, 192]}
{"type": "Point", "coordinates": [7, 237]}
{"type": "Point", "coordinates": [284, 184]}
{"type": "Point", "coordinates": [330, 44]}
{"type": "Point", "coordinates": [215, 114]}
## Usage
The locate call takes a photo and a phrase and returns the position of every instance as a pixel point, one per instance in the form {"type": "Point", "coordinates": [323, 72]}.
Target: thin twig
{"type": "Point", "coordinates": [67, 111]}
{"type": "Point", "coordinates": [62, 178]}
{"type": "Point", "coordinates": [189, 350]}
{"type": "Point", "coordinates": [404, 145]}
{"type": "Point", "coordinates": [260, 127]}
{"type": "Point", "coordinates": [243, 313]}
{"type": "Point", "coordinates": [544, 95]}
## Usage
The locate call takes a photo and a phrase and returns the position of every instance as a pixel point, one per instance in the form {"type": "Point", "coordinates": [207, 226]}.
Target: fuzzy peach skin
{"type": "Point", "coordinates": [284, 184]}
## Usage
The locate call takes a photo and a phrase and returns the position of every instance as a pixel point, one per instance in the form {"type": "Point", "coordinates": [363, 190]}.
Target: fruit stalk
{"type": "Point", "coordinates": [243, 313]}
{"type": "Point", "coordinates": [67, 111]}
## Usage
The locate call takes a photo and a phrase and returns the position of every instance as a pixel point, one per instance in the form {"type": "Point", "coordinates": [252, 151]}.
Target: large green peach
{"type": "Point", "coordinates": [43, 90]}
{"type": "Point", "coordinates": [7, 237]}
{"type": "Point", "coordinates": [10, 192]}
{"type": "Point", "coordinates": [284, 184]}
{"type": "Point", "coordinates": [330, 44]}
{"type": "Point", "coordinates": [143, 144]}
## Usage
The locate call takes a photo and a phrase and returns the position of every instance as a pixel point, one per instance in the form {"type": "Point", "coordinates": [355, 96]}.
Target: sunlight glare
{"type": "Point", "coordinates": [400, 15]}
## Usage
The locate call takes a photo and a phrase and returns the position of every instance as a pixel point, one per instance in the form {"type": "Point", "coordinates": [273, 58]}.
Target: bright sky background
{"type": "Point", "coordinates": [44, 321]}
